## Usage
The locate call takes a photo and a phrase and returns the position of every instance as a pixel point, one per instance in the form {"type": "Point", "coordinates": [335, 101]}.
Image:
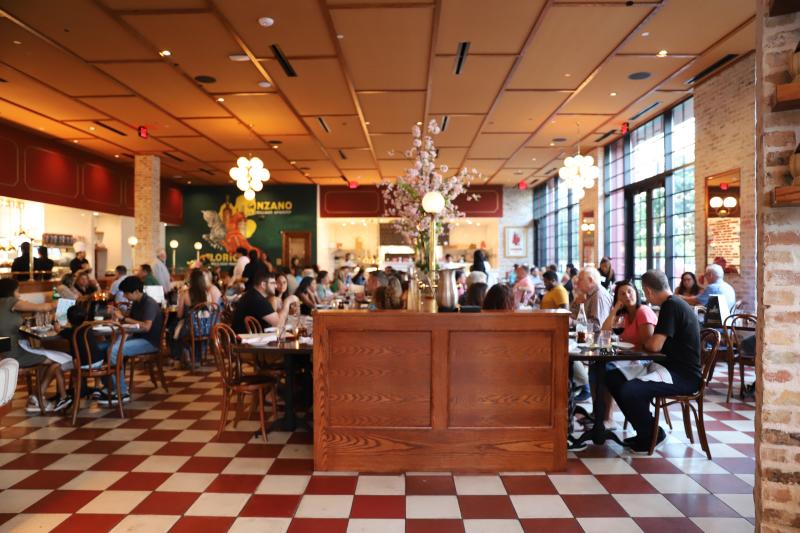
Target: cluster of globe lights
{"type": "Point", "coordinates": [249, 175]}
{"type": "Point", "coordinates": [579, 173]}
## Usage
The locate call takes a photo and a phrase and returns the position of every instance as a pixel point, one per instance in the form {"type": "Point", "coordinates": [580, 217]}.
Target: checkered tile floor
{"type": "Point", "coordinates": [158, 470]}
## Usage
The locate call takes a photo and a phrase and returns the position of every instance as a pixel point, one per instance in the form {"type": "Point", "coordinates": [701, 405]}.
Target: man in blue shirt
{"type": "Point", "coordinates": [715, 286]}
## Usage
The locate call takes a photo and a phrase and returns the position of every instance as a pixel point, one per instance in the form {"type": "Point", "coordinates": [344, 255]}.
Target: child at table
{"type": "Point", "coordinates": [76, 316]}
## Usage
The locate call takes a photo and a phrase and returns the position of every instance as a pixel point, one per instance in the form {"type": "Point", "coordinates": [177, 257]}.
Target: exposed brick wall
{"type": "Point", "coordinates": [147, 206]}
{"type": "Point", "coordinates": [777, 489]}
{"type": "Point", "coordinates": [724, 108]}
{"type": "Point", "coordinates": [517, 211]}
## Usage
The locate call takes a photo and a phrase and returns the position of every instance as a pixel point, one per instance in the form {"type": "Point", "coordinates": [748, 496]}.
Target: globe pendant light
{"type": "Point", "coordinates": [250, 176]}
{"type": "Point", "coordinates": [579, 171]}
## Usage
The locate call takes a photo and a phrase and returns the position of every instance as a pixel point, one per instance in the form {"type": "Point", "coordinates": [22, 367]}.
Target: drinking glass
{"type": "Point", "coordinates": [591, 334]}
{"type": "Point", "coordinates": [604, 340]}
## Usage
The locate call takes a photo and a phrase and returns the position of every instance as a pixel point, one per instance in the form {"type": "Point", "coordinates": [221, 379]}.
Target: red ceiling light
{"type": "Point", "coordinates": [623, 129]}
{"type": "Point", "coordinates": [142, 131]}
{"type": "Point", "coordinates": [352, 184]}
{"type": "Point", "coordinates": [723, 186]}
{"type": "Point", "coordinates": [522, 185]}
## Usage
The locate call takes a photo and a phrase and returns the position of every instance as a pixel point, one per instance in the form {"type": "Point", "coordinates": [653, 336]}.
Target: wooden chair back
{"type": "Point", "coordinates": [710, 340]}
{"type": "Point", "coordinates": [253, 325]}
{"type": "Point", "coordinates": [81, 343]}
{"type": "Point", "coordinates": [202, 319]}
{"type": "Point", "coordinates": [223, 340]}
{"type": "Point", "coordinates": [742, 326]}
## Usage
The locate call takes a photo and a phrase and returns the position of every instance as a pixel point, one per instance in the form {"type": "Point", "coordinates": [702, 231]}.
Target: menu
{"type": "Point", "coordinates": [723, 240]}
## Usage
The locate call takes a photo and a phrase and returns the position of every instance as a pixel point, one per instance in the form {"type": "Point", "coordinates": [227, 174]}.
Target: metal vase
{"type": "Point", "coordinates": [414, 300]}
{"type": "Point", "coordinates": [447, 290]}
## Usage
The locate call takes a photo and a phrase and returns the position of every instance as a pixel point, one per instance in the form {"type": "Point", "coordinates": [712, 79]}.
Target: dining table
{"type": "Point", "coordinates": [598, 433]}
{"type": "Point", "coordinates": [296, 354]}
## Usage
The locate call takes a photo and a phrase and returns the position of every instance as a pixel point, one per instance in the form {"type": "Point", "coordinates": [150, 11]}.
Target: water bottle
{"type": "Point", "coordinates": [581, 325]}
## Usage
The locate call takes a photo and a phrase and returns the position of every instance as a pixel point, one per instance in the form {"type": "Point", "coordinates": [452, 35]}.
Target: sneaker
{"type": "Point", "coordinates": [63, 403]}
{"type": "Point", "coordinates": [584, 395]}
{"type": "Point", "coordinates": [629, 441]}
{"type": "Point", "coordinates": [574, 447]}
{"type": "Point", "coordinates": [126, 398]}
{"type": "Point", "coordinates": [33, 405]}
{"type": "Point", "coordinates": [640, 447]}
{"type": "Point", "coordinates": [95, 393]}
{"type": "Point", "coordinates": [50, 407]}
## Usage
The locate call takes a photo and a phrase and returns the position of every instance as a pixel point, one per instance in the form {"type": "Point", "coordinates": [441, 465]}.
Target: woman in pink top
{"type": "Point", "coordinates": [640, 320]}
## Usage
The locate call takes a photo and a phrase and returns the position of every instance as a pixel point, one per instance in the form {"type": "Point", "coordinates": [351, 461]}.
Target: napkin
{"type": "Point", "coordinates": [257, 339]}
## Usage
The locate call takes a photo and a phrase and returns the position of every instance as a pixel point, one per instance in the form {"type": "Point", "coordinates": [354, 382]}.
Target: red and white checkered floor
{"type": "Point", "coordinates": [159, 470]}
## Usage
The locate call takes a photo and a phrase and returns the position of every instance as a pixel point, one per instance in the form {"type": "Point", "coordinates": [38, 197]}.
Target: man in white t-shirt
{"type": "Point", "coordinates": [241, 261]}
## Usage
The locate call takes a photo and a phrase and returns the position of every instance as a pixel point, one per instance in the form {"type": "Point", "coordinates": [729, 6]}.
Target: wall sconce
{"type": "Point", "coordinates": [588, 225]}
{"type": "Point", "coordinates": [198, 246]}
{"type": "Point", "coordinates": [133, 241]}
{"type": "Point", "coordinates": [174, 245]}
{"type": "Point", "coordinates": [723, 206]}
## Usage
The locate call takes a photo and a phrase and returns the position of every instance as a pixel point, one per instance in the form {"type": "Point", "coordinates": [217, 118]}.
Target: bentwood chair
{"type": "Point", "coordinates": [153, 361]}
{"type": "Point", "coordinates": [253, 325]}
{"type": "Point", "coordinates": [709, 343]}
{"type": "Point", "coordinates": [81, 344]}
{"type": "Point", "coordinates": [202, 318]}
{"type": "Point", "coordinates": [737, 328]}
{"type": "Point", "coordinates": [223, 339]}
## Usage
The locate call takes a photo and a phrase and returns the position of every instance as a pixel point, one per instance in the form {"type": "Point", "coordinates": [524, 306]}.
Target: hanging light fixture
{"type": "Point", "coordinates": [579, 171]}
{"type": "Point", "coordinates": [249, 175]}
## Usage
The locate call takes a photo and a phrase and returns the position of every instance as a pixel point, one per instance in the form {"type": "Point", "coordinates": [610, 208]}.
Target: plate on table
{"type": "Point", "coordinates": [41, 329]}
{"type": "Point", "coordinates": [622, 345]}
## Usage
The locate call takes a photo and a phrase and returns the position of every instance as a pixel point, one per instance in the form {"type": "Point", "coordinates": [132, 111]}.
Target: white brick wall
{"type": "Point", "coordinates": [517, 211]}
{"type": "Point", "coordinates": [724, 109]}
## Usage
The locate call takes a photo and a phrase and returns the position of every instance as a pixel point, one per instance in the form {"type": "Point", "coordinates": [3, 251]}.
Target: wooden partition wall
{"type": "Point", "coordinates": [398, 391]}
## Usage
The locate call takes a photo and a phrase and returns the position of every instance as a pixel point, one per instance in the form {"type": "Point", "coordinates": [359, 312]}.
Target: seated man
{"type": "Point", "coordinates": [254, 303]}
{"type": "Point", "coordinates": [121, 272]}
{"type": "Point", "coordinates": [146, 275]}
{"type": "Point", "coordinates": [556, 296]}
{"type": "Point", "coordinates": [147, 315]}
{"type": "Point", "coordinates": [524, 287]}
{"type": "Point", "coordinates": [377, 278]}
{"type": "Point", "coordinates": [677, 335]}
{"type": "Point", "coordinates": [715, 286]}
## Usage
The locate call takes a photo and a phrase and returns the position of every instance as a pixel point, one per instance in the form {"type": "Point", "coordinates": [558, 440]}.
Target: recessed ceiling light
{"type": "Point", "coordinates": [292, 162]}
{"type": "Point", "coordinates": [274, 146]}
{"type": "Point", "coordinates": [552, 144]}
{"type": "Point", "coordinates": [264, 84]}
{"type": "Point", "coordinates": [533, 159]}
{"type": "Point", "coordinates": [266, 21]}
{"type": "Point", "coordinates": [612, 94]}
{"type": "Point", "coordinates": [76, 141]}
{"type": "Point", "coordinates": [95, 214]}
{"type": "Point", "coordinates": [567, 75]}
{"type": "Point", "coordinates": [645, 34]}
{"type": "Point", "coordinates": [188, 182]}
{"type": "Point", "coordinates": [367, 123]}
{"type": "Point", "coordinates": [17, 42]}
{"type": "Point", "coordinates": [220, 99]}
{"type": "Point", "coordinates": [339, 36]}
{"type": "Point", "coordinates": [239, 57]}
{"type": "Point", "coordinates": [419, 123]}
{"type": "Point", "coordinates": [91, 128]}
{"type": "Point", "coordinates": [116, 156]}
{"type": "Point", "coordinates": [165, 53]}
{"type": "Point", "coordinates": [662, 53]}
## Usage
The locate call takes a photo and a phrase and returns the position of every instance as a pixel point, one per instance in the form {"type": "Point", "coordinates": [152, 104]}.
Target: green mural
{"type": "Point", "coordinates": [222, 220]}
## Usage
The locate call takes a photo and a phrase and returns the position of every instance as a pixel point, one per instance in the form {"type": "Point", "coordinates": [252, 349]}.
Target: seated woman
{"type": "Point", "coordinates": [324, 292]}
{"type": "Point", "coordinates": [66, 287]}
{"type": "Point", "coordinates": [476, 294]}
{"type": "Point", "coordinates": [281, 292]}
{"type": "Point", "coordinates": [499, 298]}
{"type": "Point", "coordinates": [196, 292]}
{"type": "Point", "coordinates": [307, 294]}
{"type": "Point", "coordinates": [11, 309]}
{"type": "Point", "coordinates": [84, 285]}
{"type": "Point", "coordinates": [389, 296]}
{"type": "Point", "coordinates": [688, 286]}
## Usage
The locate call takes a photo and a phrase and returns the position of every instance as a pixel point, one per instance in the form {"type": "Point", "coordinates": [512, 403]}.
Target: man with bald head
{"type": "Point", "coordinates": [715, 286]}
{"type": "Point", "coordinates": [160, 270]}
{"type": "Point", "coordinates": [596, 300]}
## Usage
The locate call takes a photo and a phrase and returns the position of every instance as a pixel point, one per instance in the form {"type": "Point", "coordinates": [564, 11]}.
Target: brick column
{"type": "Point", "coordinates": [777, 490]}
{"type": "Point", "coordinates": [147, 206]}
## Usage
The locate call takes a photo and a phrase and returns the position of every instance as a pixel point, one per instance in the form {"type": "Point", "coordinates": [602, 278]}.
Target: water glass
{"type": "Point", "coordinates": [604, 340]}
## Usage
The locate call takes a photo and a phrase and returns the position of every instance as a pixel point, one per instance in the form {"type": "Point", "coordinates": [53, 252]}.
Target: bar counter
{"type": "Point", "coordinates": [401, 391]}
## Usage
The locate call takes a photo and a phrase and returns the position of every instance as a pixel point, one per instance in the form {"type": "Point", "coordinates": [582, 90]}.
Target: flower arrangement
{"type": "Point", "coordinates": [404, 196]}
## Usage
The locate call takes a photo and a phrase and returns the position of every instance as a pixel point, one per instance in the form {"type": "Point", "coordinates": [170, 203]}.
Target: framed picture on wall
{"type": "Point", "coordinates": [516, 242]}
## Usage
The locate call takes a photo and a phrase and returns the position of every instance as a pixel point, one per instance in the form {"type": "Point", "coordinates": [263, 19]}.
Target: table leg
{"type": "Point", "coordinates": [599, 434]}
{"type": "Point", "coordinates": [289, 421]}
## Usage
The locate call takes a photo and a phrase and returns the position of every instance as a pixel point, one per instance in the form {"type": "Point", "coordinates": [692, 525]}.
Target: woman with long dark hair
{"type": "Point", "coordinates": [307, 293]}
{"type": "Point", "coordinates": [639, 320]}
{"type": "Point", "coordinates": [688, 285]}
{"type": "Point", "coordinates": [499, 298]}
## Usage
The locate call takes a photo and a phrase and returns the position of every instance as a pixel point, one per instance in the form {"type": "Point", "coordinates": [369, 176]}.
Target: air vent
{"type": "Point", "coordinates": [173, 156]}
{"type": "Point", "coordinates": [203, 78]}
{"type": "Point", "coordinates": [461, 57]}
{"type": "Point", "coordinates": [282, 61]}
{"type": "Point", "coordinates": [711, 68]}
{"type": "Point", "coordinates": [645, 111]}
{"type": "Point", "coordinates": [210, 173]}
{"type": "Point", "coordinates": [323, 124]}
{"type": "Point", "coordinates": [109, 128]}
{"type": "Point", "coordinates": [445, 122]}
{"type": "Point", "coordinates": [342, 154]}
{"type": "Point", "coordinates": [559, 139]}
{"type": "Point", "coordinates": [605, 136]}
{"type": "Point", "coordinates": [642, 75]}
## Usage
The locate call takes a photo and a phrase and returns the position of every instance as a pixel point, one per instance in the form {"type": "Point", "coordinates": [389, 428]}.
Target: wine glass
{"type": "Point", "coordinates": [619, 325]}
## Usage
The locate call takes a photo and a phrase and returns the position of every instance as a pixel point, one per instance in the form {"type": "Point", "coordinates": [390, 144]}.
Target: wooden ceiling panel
{"type": "Point", "coordinates": [82, 20]}
{"type": "Point", "coordinates": [663, 99]}
{"type": "Point", "coordinates": [162, 84]}
{"type": "Point", "coordinates": [393, 168]}
{"type": "Point", "coordinates": [329, 181]}
{"type": "Point", "coordinates": [363, 176]}
{"type": "Point", "coordinates": [318, 89]}
{"type": "Point", "coordinates": [267, 112]}
{"type": "Point", "coordinates": [549, 56]}
{"type": "Point", "coordinates": [200, 48]}
{"type": "Point", "coordinates": [740, 43]}
{"type": "Point", "coordinates": [131, 141]}
{"type": "Point", "coordinates": [288, 16]}
{"type": "Point", "coordinates": [134, 111]}
{"type": "Point", "coordinates": [474, 90]}
{"type": "Point", "coordinates": [689, 26]}
{"type": "Point", "coordinates": [510, 176]}
{"type": "Point", "coordinates": [353, 159]}
{"type": "Point", "coordinates": [318, 169]}
{"type": "Point", "coordinates": [533, 157]}
{"type": "Point", "coordinates": [29, 93]}
{"type": "Point", "coordinates": [461, 129]}
{"type": "Point", "coordinates": [297, 147]}
{"type": "Point", "coordinates": [451, 157]}
{"type": "Point", "coordinates": [200, 148]}
{"type": "Point", "coordinates": [488, 30]}
{"type": "Point", "coordinates": [566, 127]}
{"type": "Point", "coordinates": [272, 159]}
{"type": "Point", "coordinates": [165, 5]}
{"type": "Point", "coordinates": [228, 132]}
{"type": "Point", "coordinates": [289, 176]}
{"type": "Point", "coordinates": [52, 66]}
{"type": "Point", "coordinates": [335, 3]}
{"type": "Point", "coordinates": [487, 167]}
{"type": "Point", "coordinates": [345, 132]}
{"type": "Point", "coordinates": [523, 111]}
{"type": "Point", "coordinates": [34, 121]}
{"type": "Point", "coordinates": [386, 48]}
{"type": "Point", "coordinates": [101, 147]}
{"type": "Point", "coordinates": [489, 145]}
{"type": "Point", "coordinates": [613, 78]}
{"type": "Point", "coordinates": [392, 112]}
{"type": "Point", "coordinates": [391, 145]}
